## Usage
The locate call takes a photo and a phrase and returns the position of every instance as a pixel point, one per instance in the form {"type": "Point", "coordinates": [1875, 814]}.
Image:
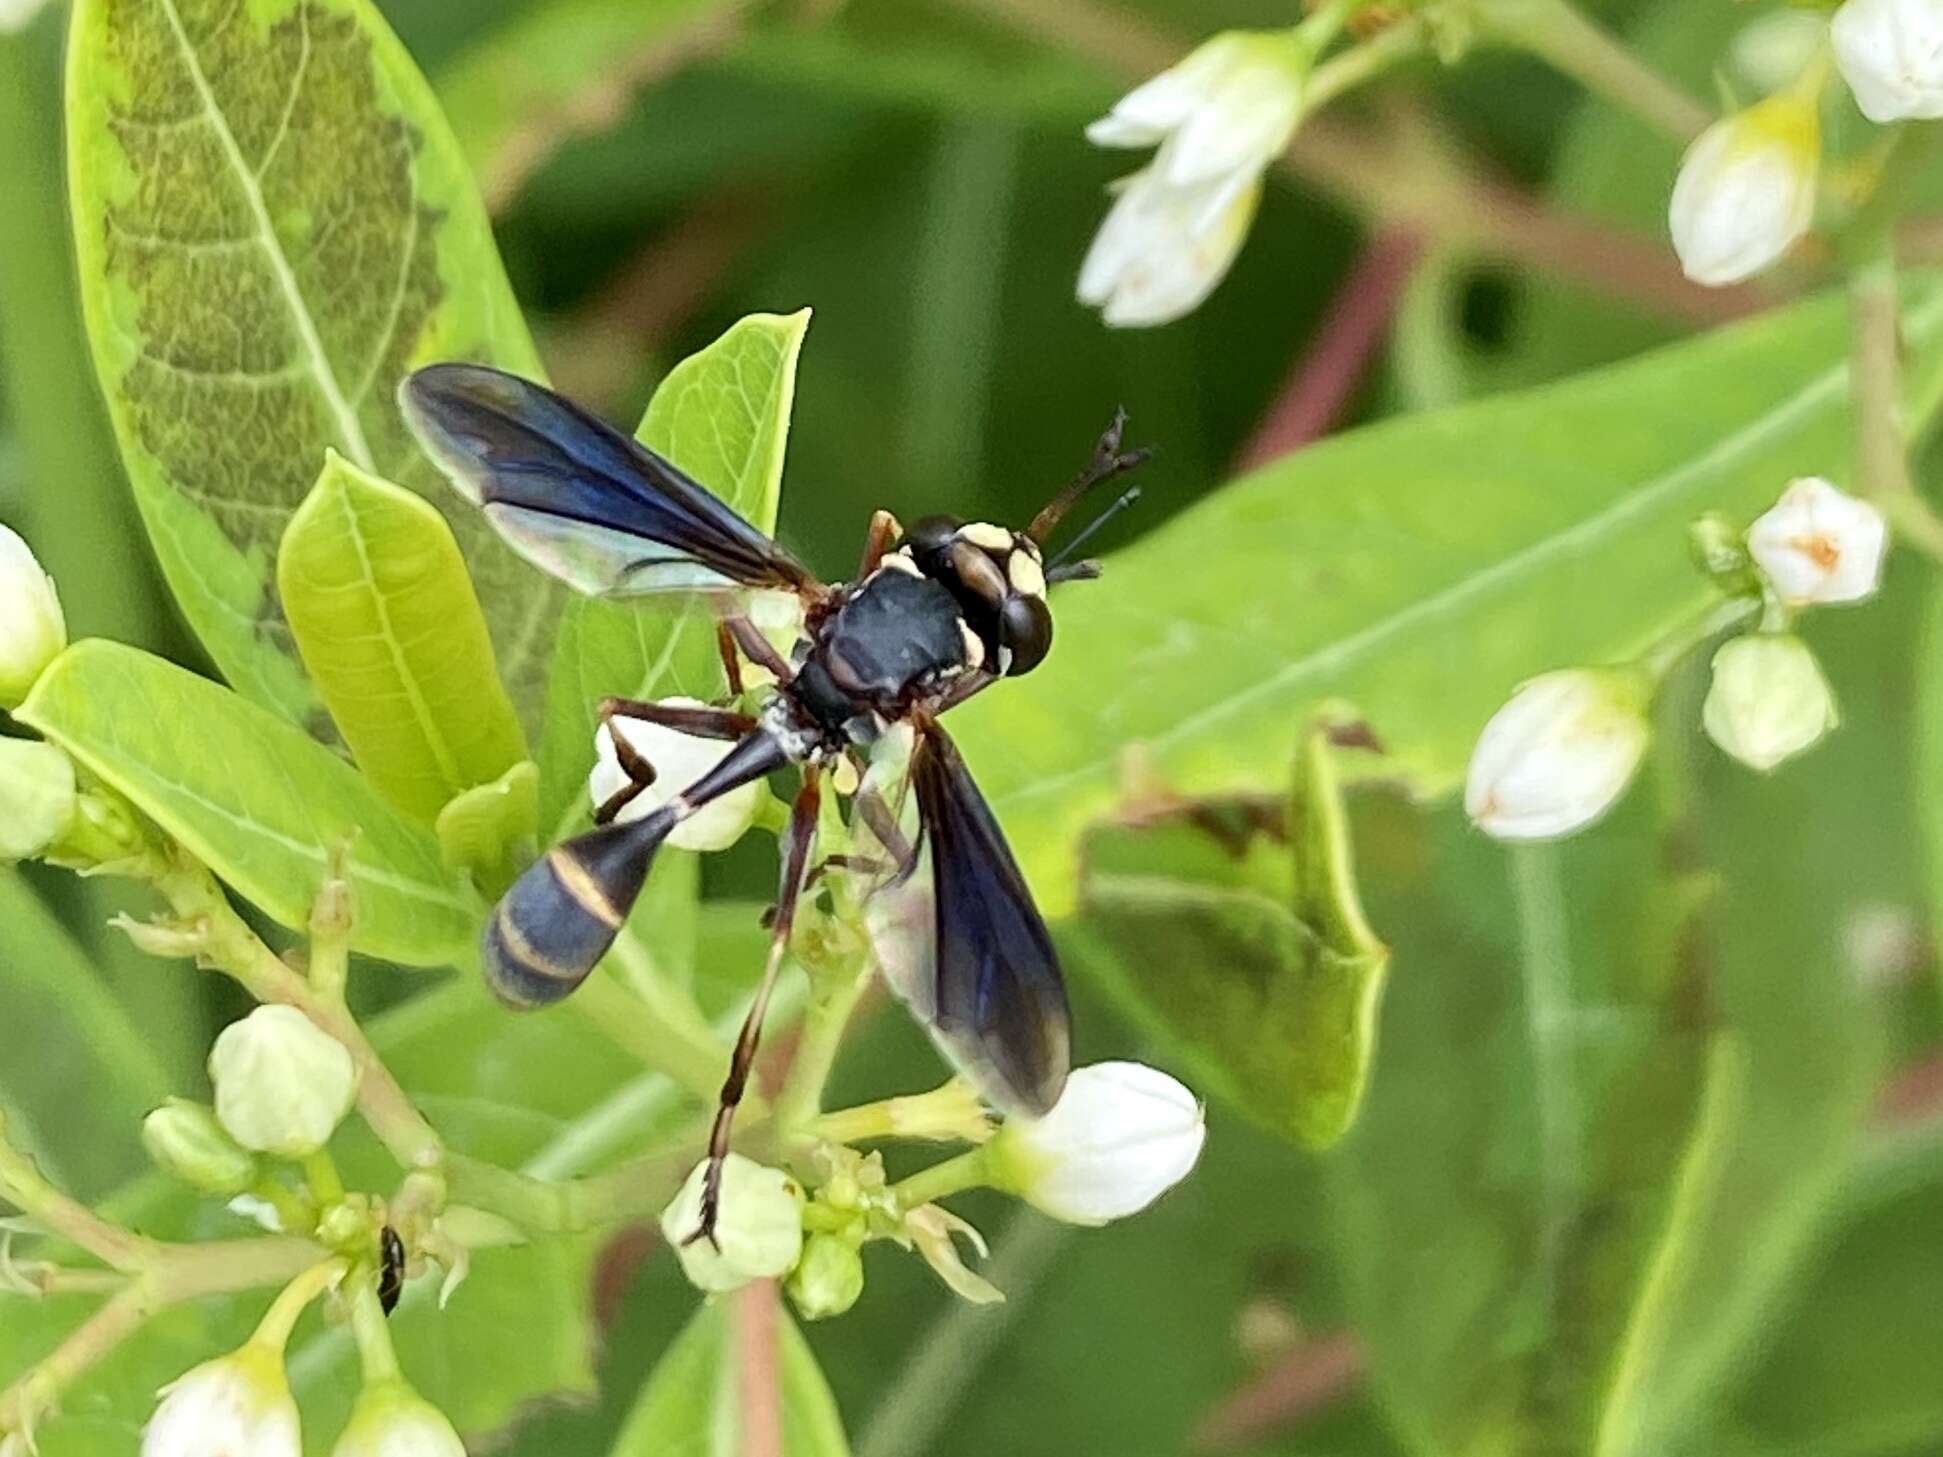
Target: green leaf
{"type": "Point", "coordinates": [1247, 953]}
{"type": "Point", "coordinates": [386, 619]}
{"type": "Point", "coordinates": [253, 797]}
{"type": "Point", "coordinates": [723, 416]}
{"type": "Point", "coordinates": [77, 1101]}
{"type": "Point", "coordinates": [695, 1401]}
{"type": "Point", "coordinates": [488, 830]}
{"type": "Point", "coordinates": [1413, 570]}
{"type": "Point", "coordinates": [274, 224]}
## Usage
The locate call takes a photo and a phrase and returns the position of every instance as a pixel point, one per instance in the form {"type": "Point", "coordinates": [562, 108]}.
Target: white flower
{"type": "Point", "coordinates": [37, 798]}
{"type": "Point", "coordinates": [392, 1420]}
{"type": "Point", "coordinates": [238, 1405]}
{"type": "Point", "coordinates": [1746, 190]}
{"type": "Point", "coordinates": [1120, 1136]}
{"type": "Point", "coordinates": [1891, 54]}
{"type": "Point", "coordinates": [1818, 544]}
{"type": "Point", "coordinates": [32, 629]}
{"type": "Point", "coordinates": [1558, 754]}
{"type": "Point", "coordinates": [1219, 119]}
{"type": "Point", "coordinates": [1769, 700]}
{"type": "Point", "coordinates": [759, 1229]}
{"type": "Point", "coordinates": [283, 1084]}
{"type": "Point", "coordinates": [679, 759]}
{"type": "Point", "coordinates": [187, 1142]}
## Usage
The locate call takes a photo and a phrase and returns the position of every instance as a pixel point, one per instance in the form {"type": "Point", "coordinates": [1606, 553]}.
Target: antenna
{"type": "Point", "coordinates": [1108, 461]}
{"type": "Point", "coordinates": [1126, 499]}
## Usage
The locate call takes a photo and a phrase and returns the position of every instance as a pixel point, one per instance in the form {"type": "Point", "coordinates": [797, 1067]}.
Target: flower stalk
{"type": "Point", "coordinates": [1562, 36]}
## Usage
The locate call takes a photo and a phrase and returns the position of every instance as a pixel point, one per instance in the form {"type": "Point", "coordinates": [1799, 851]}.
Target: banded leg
{"type": "Point", "coordinates": [707, 723]}
{"type": "Point", "coordinates": [883, 531]}
{"type": "Point", "coordinates": [757, 648]}
{"type": "Point", "coordinates": [797, 842]}
{"type": "Point", "coordinates": [731, 660]}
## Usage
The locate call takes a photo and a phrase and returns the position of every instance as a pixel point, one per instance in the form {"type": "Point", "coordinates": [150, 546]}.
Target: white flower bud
{"type": "Point", "coordinates": [1219, 118]}
{"type": "Point", "coordinates": [239, 1403]}
{"type": "Point", "coordinates": [759, 1230]}
{"type": "Point", "coordinates": [187, 1143]}
{"type": "Point", "coordinates": [1818, 545]}
{"type": "Point", "coordinates": [1772, 49]}
{"type": "Point", "coordinates": [1746, 190]}
{"type": "Point", "coordinates": [828, 1279]}
{"type": "Point", "coordinates": [37, 798]}
{"type": "Point", "coordinates": [1163, 248]}
{"type": "Point", "coordinates": [679, 759]}
{"type": "Point", "coordinates": [32, 629]}
{"type": "Point", "coordinates": [1120, 1136]}
{"type": "Point", "coordinates": [283, 1084]}
{"type": "Point", "coordinates": [1891, 54]}
{"type": "Point", "coordinates": [1768, 701]}
{"type": "Point", "coordinates": [1558, 754]}
{"type": "Point", "coordinates": [392, 1420]}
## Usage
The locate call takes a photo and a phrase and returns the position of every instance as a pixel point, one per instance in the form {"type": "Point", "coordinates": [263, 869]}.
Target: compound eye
{"type": "Point", "coordinates": [1025, 632]}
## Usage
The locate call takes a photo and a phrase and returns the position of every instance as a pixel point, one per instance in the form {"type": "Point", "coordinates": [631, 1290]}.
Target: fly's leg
{"type": "Point", "coordinates": [757, 648]}
{"type": "Point", "coordinates": [711, 723]}
{"type": "Point", "coordinates": [883, 531]}
{"type": "Point", "coordinates": [731, 660]}
{"type": "Point", "coordinates": [798, 840]}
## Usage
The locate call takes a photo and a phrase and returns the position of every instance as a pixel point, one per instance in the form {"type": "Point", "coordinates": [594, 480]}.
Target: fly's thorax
{"type": "Point", "coordinates": [996, 576]}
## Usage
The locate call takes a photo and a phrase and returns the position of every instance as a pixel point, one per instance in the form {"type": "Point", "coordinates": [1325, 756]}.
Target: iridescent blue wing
{"type": "Point", "coordinates": [960, 939]}
{"type": "Point", "coordinates": [579, 499]}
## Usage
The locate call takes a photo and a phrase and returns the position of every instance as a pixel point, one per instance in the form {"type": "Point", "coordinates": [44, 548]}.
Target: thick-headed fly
{"type": "Point", "coordinates": [936, 614]}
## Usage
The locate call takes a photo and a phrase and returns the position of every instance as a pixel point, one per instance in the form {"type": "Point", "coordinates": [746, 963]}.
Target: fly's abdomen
{"type": "Point", "coordinates": [551, 929]}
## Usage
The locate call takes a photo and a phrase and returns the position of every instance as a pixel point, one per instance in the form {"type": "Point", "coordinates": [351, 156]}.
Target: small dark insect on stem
{"type": "Point", "coordinates": [391, 1269]}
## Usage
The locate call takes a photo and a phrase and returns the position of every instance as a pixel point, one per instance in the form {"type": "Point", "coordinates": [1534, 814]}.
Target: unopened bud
{"type": "Point", "coordinates": [187, 1143]}
{"type": "Point", "coordinates": [1745, 193]}
{"type": "Point", "coordinates": [758, 1230]}
{"type": "Point", "coordinates": [32, 629]}
{"type": "Point", "coordinates": [1819, 545]}
{"type": "Point", "coordinates": [392, 1420]}
{"type": "Point", "coordinates": [1891, 54]}
{"type": "Point", "coordinates": [37, 798]}
{"type": "Point", "coordinates": [1768, 701]}
{"type": "Point", "coordinates": [1720, 550]}
{"type": "Point", "coordinates": [283, 1084]}
{"type": "Point", "coordinates": [828, 1278]}
{"type": "Point", "coordinates": [1558, 754]}
{"type": "Point", "coordinates": [237, 1403]}
{"type": "Point", "coordinates": [1121, 1135]}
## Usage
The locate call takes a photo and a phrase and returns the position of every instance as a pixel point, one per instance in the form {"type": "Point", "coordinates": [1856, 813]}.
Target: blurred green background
{"type": "Point", "coordinates": [915, 171]}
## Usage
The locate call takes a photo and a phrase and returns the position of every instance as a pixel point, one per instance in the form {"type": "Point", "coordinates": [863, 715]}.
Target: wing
{"type": "Point", "coordinates": [579, 499]}
{"type": "Point", "coordinates": [961, 941]}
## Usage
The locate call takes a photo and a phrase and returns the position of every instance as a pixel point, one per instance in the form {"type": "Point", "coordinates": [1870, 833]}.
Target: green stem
{"type": "Point", "coordinates": [35, 1394]}
{"type": "Point", "coordinates": [372, 1331]}
{"type": "Point", "coordinates": [655, 1023]}
{"type": "Point", "coordinates": [1545, 959]}
{"type": "Point", "coordinates": [1875, 385]}
{"type": "Point", "coordinates": [971, 1170]}
{"type": "Point", "coordinates": [294, 1299]}
{"type": "Point", "coordinates": [633, 1190]}
{"type": "Point", "coordinates": [1363, 63]}
{"type": "Point", "coordinates": [1559, 34]}
{"type": "Point", "coordinates": [23, 1186]}
{"type": "Point", "coordinates": [834, 991]}
{"type": "Point", "coordinates": [1718, 617]}
{"type": "Point", "coordinates": [229, 945]}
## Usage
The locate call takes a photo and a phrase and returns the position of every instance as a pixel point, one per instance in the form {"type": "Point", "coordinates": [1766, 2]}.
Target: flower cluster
{"type": "Point", "coordinates": [1561, 752]}
{"type": "Point", "coordinates": [1121, 1135]}
{"type": "Point", "coordinates": [1747, 189]}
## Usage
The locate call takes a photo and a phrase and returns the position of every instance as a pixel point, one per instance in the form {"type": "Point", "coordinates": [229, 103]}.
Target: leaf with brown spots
{"type": "Point", "coordinates": [274, 224]}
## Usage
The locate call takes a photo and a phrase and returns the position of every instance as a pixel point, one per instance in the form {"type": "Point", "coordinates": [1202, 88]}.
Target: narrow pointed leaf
{"type": "Point", "coordinates": [388, 624]}
{"type": "Point", "coordinates": [254, 798]}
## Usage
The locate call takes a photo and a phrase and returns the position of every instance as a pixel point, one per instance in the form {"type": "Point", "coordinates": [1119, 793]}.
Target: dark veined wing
{"type": "Point", "coordinates": [579, 499]}
{"type": "Point", "coordinates": [958, 934]}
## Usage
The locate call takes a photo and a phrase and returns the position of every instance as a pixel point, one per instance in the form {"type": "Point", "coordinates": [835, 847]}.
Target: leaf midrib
{"type": "Point", "coordinates": [350, 431]}
{"type": "Point", "coordinates": [1509, 569]}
